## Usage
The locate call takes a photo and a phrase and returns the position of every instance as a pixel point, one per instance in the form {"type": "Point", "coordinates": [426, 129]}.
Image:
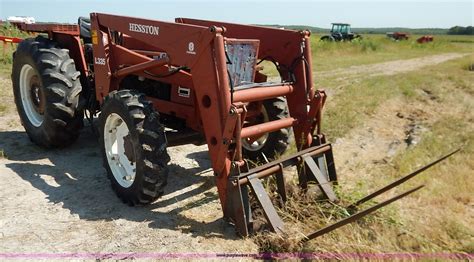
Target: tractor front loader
{"type": "Point", "coordinates": [199, 79]}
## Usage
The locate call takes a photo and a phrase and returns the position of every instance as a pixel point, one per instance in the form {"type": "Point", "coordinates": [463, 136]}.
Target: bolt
{"type": "Point", "coordinates": [234, 165]}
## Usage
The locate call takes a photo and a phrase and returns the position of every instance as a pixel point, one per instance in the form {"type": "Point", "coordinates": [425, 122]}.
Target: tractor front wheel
{"type": "Point", "coordinates": [133, 147]}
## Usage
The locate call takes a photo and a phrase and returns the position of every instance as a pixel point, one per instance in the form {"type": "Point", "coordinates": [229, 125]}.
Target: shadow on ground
{"type": "Point", "coordinates": [85, 190]}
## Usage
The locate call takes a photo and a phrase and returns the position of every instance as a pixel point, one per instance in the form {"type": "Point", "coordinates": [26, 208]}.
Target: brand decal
{"type": "Point", "coordinates": [144, 29]}
{"type": "Point", "coordinates": [191, 48]}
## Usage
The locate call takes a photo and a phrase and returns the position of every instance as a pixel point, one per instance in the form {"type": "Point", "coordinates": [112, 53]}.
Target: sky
{"type": "Point", "coordinates": [381, 13]}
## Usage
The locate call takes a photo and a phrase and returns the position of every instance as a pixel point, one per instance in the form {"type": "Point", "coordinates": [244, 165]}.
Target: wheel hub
{"type": "Point", "coordinates": [119, 150]}
{"type": "Point", "coordinates": [256, 143]}
{"type": "Point", "coordinates": [31, 95]}
{"type": "Point", "coordinates": [36, 94]}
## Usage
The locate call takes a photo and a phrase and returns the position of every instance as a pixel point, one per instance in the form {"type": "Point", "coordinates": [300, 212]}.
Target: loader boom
{"type": "Point", "coordinates": [200, 47]}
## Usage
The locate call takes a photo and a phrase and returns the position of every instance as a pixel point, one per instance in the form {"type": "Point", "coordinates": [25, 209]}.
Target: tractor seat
{"type": "Point", "coordinates": [85, 29]}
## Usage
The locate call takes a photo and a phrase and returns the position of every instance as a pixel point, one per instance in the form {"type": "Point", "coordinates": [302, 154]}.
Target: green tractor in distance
{"type": "Point", "coordinates": [340, 32]}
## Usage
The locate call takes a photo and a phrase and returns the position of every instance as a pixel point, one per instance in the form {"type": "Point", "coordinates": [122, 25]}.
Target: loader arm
{"type": "Point", "coordinates": [200, 47]}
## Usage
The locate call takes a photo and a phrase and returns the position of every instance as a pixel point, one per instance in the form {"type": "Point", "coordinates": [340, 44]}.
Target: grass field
{"type": "Point", "coordinates": [378, 48]}
{"type": "Point", "coordinates": [441, 96]}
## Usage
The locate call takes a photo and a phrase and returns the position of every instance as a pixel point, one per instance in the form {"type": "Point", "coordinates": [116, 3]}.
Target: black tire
{"type": "Point", "coordinates": [277, 142]}
{"type": "Point", "coordinates": [326, 38]}
{"type": "Point", "coordinates": [57, 90]}
{"type": "Point", "coordinates": [148, 144]}
{"type": "Point", "coordinates": [338, 37]}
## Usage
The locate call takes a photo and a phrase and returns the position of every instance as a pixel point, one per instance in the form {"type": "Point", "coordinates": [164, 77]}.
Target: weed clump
{"type": "Point", "coordinates": [368, 45]}
{"type": "Point", "coordinates": [469, 67]}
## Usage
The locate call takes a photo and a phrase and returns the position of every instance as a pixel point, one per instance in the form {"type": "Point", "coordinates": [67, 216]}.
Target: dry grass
{"type": "Point", "coordinates": [6, 95]}
{"type": "Point", "coordinates": [3, 109]}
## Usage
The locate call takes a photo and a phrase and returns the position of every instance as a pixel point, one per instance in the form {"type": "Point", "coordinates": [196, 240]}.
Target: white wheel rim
{"type": "Point", "coordinates": [122, 168]}
{"type": "Point", "coordinates": [260, 142]}
{"type": "Point", "coordinates": [27, 73]}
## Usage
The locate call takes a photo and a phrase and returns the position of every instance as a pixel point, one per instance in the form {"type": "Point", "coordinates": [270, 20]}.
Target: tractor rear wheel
{"type": "Point", "coordinates": [327, 38]}
{"type": "Point", "coordinates": [269, 145]}
{"type": "Point", "coordinates": [46, 87]}
{"type": "Point", "coordinates": [133, 145]}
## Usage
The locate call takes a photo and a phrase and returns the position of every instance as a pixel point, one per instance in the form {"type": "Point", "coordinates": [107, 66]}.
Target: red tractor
{"type": "Point", "coordinates": [397, 36]}
{"type": "Point", "coordinates": [425, 39]}
{"type": "Point", "coordinates": [196, 78]}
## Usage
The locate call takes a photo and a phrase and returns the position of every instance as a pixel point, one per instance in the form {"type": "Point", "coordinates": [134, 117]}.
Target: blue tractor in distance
{"type": "Point", "coordinates": [340, 32]}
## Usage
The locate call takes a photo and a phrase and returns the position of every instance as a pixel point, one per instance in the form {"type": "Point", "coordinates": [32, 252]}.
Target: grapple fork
{"type": "Point", "coordinates": [315, 164]}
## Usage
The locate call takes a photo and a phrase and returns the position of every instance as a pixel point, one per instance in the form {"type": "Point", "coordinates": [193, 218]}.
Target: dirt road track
{"type": "Point", "coordinates": [388, 68]}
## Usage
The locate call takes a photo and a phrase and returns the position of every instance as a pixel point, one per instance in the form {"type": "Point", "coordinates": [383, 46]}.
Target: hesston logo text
{"type": "Point", "coordinates": [145, 29]}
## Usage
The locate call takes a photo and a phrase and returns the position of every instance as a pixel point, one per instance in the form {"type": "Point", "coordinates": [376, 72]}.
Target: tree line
{"type": "Point", "coordinates": [461, 30]}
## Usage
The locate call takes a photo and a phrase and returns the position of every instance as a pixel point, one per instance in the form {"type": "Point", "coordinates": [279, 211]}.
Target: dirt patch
{"type": "Point", "coordinates": [392, 129]}
{"type": "Point", "coordinates": [61, 201]}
